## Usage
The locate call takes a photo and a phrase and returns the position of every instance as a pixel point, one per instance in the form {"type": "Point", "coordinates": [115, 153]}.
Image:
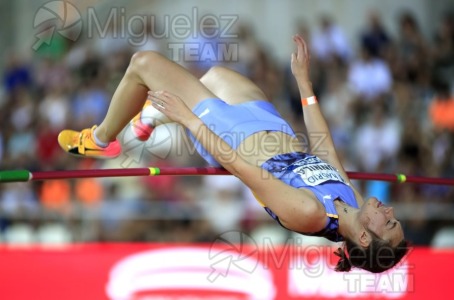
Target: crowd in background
{"type": "Point", "coordinates": [388, 101]}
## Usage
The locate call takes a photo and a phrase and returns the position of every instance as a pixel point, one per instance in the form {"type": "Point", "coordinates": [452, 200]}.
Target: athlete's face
{"type": "Point", "coordinates": [380, 219]}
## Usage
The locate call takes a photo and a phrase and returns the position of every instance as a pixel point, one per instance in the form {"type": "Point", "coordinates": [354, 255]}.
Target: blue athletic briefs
{"type": "Point", "coordinates": [234, 123]}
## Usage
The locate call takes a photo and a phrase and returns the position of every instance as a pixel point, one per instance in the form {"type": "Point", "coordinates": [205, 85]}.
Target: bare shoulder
{"type": "Point", "coordinates": [307, 214]}
{"type": "Point", "coordinates": [298, 209]}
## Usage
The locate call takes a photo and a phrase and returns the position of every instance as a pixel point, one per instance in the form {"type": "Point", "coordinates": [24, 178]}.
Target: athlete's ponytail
{"type": "Point", "coordinates": [343, 265]}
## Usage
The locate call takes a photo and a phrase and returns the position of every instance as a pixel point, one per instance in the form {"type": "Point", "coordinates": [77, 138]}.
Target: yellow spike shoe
{"type": "Point", "coordinates": [81, 143]}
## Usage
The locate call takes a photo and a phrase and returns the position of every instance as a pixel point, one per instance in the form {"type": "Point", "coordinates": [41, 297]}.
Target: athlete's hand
{"type": "Point", "coordinates": [300, 59]}
{"type": "Point", "coordinates": [300, 66]}
{"type": "Point", "coordinates": [172, 106]}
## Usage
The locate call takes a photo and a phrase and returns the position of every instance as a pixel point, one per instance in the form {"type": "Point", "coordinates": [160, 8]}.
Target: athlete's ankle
{"type": "Point", "coordinates": [100, 138]}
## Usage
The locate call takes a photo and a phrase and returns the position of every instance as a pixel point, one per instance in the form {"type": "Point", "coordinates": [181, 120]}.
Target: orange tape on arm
{"type": "Point", "coordinates": [309, 101]}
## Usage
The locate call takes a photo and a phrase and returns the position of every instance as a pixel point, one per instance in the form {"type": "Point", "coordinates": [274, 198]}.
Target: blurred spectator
{"type": "Point", "coordinates": [375, 38]}
{"type": "Point", "coordinates": [54, 108]}
{"type": "Point", "coordinates": [265, 74]}
{"type": "Point", "coordinates": [336, 104]}
{"type": "Point", "coordinates": [377, 140]}
{"type": "Point", "coordinates": [23, 107]}
{"type": "Point", "coordinates": [441, 109]}
{"type": "Point", "coordinates": [443, 50]}
{"type": "Point", "coordinates": [369, 77]}
{"type": "Point", "coordinates": [21, 144]}
{"type": "Point", "coordinates": [441, 144]}
{"type": "Point", "coordinates": [50, 75]}
{"type": "Point", "coordinates": [55, 196]}
{"type": "Point", "coordinates": [114, 213]}
{"type": "Point", "coordinates": [47, 148]}
{"type": "Point", "coordinates": [413, 57]}
{"type": "Point", "coordinates": [88, 191]}
{"type": "Point", "coordinates": [17, 74]}
{"type": "Point", "coordinates": [18, 200]}
{"type": "Point", "coordinates": [89, 105]}
{"type": "Point", "coordinates": [248, 47]}
{"type": "Point", "coordinates": [223, 207]}
{"type": "Point", "coordinates": [442, 155]}
{"type": "Point", "coordinates": [414, 154]}
{"type": "Point", "coordinates": [329, 42]}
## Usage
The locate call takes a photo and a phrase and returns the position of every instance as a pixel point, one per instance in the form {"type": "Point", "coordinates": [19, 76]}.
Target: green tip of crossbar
{"type": "Point", "coordinates": [14, 176]}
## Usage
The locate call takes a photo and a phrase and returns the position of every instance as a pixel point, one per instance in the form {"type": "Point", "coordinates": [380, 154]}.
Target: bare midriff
{"type": "Point", "coordinates": [261, 146]}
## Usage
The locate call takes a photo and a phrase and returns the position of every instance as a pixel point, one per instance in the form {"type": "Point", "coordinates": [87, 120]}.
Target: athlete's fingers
{"type": "Point", "coordinates": [303, 42]}
{"type": "Point", "coordinates": [293, 57]}
{"type": "Point", "coordinates": [149, 94]}
{"type": "Point", "coordinates": [158, 103]}
{"type": "Point", "coordinates": [158, 106]}
{"type": "Point", "coordinates": [159, 96]}
{"type": "Point", "coordinates": [155, 93]}
{"type": "Point", "coordinates": [299, 46]}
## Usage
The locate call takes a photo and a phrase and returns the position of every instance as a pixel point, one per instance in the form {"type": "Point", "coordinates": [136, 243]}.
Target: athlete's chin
{"type": "Point", "coordinates": [372, 201]}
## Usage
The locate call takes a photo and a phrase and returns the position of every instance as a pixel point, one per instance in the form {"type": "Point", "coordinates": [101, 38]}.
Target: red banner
{"type": "Point", "coordinates": [168, 271]}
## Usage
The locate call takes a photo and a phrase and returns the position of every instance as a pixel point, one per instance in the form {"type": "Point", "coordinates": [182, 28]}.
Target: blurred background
{"type": "Point", "coordinates": [384, 76]}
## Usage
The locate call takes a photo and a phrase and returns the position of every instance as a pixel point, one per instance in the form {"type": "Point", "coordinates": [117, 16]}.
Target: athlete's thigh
{"type": "Point", "coordinates": [160, 73]}
{"type": "Point", "coordinates": [231, 86]}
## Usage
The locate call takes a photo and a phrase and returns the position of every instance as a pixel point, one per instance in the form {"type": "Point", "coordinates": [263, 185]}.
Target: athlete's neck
{"type": "Point", "coordinates": [348, 220]}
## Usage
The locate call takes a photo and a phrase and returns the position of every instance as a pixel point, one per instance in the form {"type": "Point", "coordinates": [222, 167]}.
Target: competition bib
{"type": "Point", "coordinates": [313, 171]}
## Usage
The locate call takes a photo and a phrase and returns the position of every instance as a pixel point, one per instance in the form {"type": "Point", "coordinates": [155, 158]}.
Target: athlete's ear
{"type": "Point", "coordinates": [364, 238]}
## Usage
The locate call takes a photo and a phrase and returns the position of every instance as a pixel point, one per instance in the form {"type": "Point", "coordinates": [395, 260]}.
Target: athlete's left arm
{"type": "Point", "coordinates": [320, 138]}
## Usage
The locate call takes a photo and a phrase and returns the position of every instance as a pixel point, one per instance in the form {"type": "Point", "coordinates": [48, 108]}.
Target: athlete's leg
{"type": "Point", "coordinates": [148, 70]}
{"type": "Point", "coordinates": [230, 86]}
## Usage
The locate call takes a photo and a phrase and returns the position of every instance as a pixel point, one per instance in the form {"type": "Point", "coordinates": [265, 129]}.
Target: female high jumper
{"type": "Point", "coordinates": [233, 125]}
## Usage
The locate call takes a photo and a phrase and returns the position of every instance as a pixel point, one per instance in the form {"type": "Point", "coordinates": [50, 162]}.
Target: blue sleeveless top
{"type": "Point", "coordinates": [302, 170]}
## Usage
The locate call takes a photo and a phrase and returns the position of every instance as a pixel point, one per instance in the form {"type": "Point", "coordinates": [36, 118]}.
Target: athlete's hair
{"type": "Point", "coordinates": [378, 257]}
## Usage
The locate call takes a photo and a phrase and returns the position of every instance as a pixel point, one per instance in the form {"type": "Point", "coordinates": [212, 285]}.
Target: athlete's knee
{"type": "Point", "coordinates": [143, 59]}
{"type": "Point", "coordinates": [218, 71]}
{"type": "Point", "coordinates": [214, 73]}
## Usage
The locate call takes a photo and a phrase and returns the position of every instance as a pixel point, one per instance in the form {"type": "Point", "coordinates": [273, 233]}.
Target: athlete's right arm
{"type": "Point", "coordinates": [320, 138]}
